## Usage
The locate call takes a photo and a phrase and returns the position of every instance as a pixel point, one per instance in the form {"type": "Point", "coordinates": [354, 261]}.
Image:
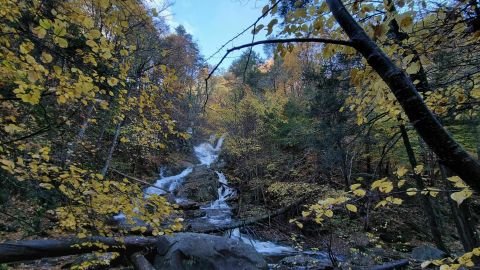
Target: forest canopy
{"type": "Point", "coordinates": [358, 112]}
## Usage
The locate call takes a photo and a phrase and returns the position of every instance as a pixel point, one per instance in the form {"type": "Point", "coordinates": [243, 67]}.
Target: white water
{"type": "Point", "coordinates": [206, 153]}
{"type": "Point", "coordinates": [263, 247]}
{"type": "Point", "coordinates": [218, 212]}
{"type": "Point", "coordinates": [169, 183]}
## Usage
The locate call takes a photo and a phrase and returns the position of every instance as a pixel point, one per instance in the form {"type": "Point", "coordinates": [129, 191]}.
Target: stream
{"type": "Point", "coordinates": [218, 212]}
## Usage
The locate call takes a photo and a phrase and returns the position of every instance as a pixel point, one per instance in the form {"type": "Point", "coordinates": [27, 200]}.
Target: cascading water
{"type": "Point", "coordinates": [169, 183]}
{"type": "Point", "coordinates": [218, 213]}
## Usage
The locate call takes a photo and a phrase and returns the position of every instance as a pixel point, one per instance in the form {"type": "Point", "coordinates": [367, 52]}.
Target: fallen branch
{"type": "Point", "coordinates": [241, 223]}
{"type": "Point", "coordinates": [137, 180]}
{"type": "Point", "coordinates": [23, 250]}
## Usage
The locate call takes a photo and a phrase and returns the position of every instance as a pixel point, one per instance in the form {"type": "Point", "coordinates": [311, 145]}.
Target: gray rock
{"type": "Point", "coordinates": [306, 262]}
{"type": "Point", "coordinates": [188, 205]}
{"type": "Point", "coordinates": [200, 185]}
{"type": "Point", "coordinates": [424, 253]}
{"type": "Point", "coordinates": [189, 251]}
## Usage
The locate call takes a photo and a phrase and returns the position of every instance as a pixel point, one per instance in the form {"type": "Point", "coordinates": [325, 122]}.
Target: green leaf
{"type": "Point", "coordinates": [351, 208]}
{"type": "Point", "coordinates": [257, 29]}
{"type": "Point", "coordinates": [45, 23]}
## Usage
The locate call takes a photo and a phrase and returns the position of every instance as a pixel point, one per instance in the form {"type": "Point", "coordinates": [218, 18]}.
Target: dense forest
{"type": "Point", "coordinates": [351, 142]}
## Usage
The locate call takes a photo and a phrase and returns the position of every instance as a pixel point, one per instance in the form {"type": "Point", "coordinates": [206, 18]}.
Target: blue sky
{"type": "Point", "coordinates": [213, 22]}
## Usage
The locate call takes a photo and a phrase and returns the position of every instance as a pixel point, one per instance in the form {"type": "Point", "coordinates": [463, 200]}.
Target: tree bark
{"type": "Point", "coordinates": [140, 262]}
{"type": "Point", "coordinates": [461, 216]}
{"type": "Point", "coordinates": [426, 124]}
{"type": "Point", "coordinates": [112, 148]}
{"type": "Point", "coordinates": [81, 133]}
{"type": "Point", "coordinates": [23, 250]}
{"type": "Point", "coordinates": [426, 202]}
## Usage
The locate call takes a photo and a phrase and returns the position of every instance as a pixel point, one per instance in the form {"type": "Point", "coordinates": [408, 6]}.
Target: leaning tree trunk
{"type": "Point", "coordinates": [426, 124]}
{"type": "Point", "coordinates": [461, 216]}
{"type": "Point", "coordinates": [426, 202]}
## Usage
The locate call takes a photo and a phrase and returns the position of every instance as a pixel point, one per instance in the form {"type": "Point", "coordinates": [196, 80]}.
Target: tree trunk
{"type": "Point", "coordinates": [23, 250]}
{"type": "Point", "coordinates": [426, 124]}
{"type": "Point", "coordinates": [426, 202]}
{"type": "Point", "coordinates": [140, 262]}
{"type": "Point", "coordinates": [461, 215]}
{"type": "Point", "coordinates": [112, 147]}
{"type": "Point", "coordinates": [81, 133]}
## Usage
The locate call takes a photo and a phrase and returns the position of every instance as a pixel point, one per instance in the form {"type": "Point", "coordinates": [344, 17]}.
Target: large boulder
{"type": "Point", "coordinates": [189, 251]}
{"type": "Point", "coordinates": [201, 185]}
{"type": "Point", "coordinates": [425, 253]}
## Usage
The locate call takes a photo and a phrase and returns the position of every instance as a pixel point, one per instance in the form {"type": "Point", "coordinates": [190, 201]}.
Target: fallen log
{"type": "Point", "coordinates": [390, 265]}
{"type": "Point", "coordinates": [23, 250]}
{"type": "Point", "coordinates": [140, 262]}
{"type": "Point", "coordinates": [138, 180]}
{"type": "Point", "coordinates": [246, 222]}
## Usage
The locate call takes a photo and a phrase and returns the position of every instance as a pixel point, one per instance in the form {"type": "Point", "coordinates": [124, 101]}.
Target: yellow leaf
{"type": "Point", "coordinates": [39, 32]}
{"type": "Point", "coordinates": [460, 196]}
{"type": "Point", "coordinates": [46, 185]}
{"type": "Point", "coordinates": [401, 183]}
{"type": "Point", "coordinates": [46, 58]}
{"type": "Point", "coordinates": [329, 213]}
{"type": "Point", "coordinates": [62, 43]}
{"type": "Point", "coordinates": [355, 186]}
{"type": "Point", "coordinates": [112, 81]}
{"type": "Point", "coordinates": [306, 213]}
{"type": "Point", "coordinates": [88, 22]}
{"type": "Point", "coordinates": [401, 171]}
{"type": "Point", "coordinates": [94, 33]}
{"type": "Point", "coordinates": [351, 208]}
{"type": "Point", "coordinates": [413, 68]}
{"type": "Point", "coordinates": [359, 192]}
{"type": "Point", "coordinates": [418, 169]}
{"type": "Point", "coordinates": [104, 4]}
{"type": "Point", "coordinates": [7, 165]}
{"type": "Point", "coordinates": [411, 191]}
{"type": "Point", "coordinates": [425, 264]}
{"type": "Point", "coordinates": [397, 201]}
{"type": "Point", "coordinates": [381, 203]}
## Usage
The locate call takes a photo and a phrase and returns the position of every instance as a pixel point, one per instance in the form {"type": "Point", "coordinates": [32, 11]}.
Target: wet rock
{"type": "Point", "coordinates": [177, 167]}
{"type": "Point", "coordinates": [202, 251]}
{"type": "Point", "coordinates": [191, 214]}
{"type": "Point", "coordinates": [425, 252]}
{"type": "Point", "coordinates": [200, 185]}
{"type": "Point", "coordinates": [305, 262]}
{"type": "Point", "coordinates": [220, 164]}
{"type": "Point", "coordinates": [188, 205]}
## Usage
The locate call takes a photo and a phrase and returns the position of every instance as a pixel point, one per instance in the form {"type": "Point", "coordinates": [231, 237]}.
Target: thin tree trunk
{"type": "Point", "coordinates": [461, 215]}
{"type": "Point", "coordinates": [81, 133]}
{"type": "Point", "coordinates": [426, 124]}
{"type": "Point", "coordinates": [112, 147]}
{"type": "Point", "coordinates": [426, 202]}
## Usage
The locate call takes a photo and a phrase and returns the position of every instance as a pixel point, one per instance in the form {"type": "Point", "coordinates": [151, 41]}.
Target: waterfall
{"type": "Point", "coordinates": [218, 212]}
